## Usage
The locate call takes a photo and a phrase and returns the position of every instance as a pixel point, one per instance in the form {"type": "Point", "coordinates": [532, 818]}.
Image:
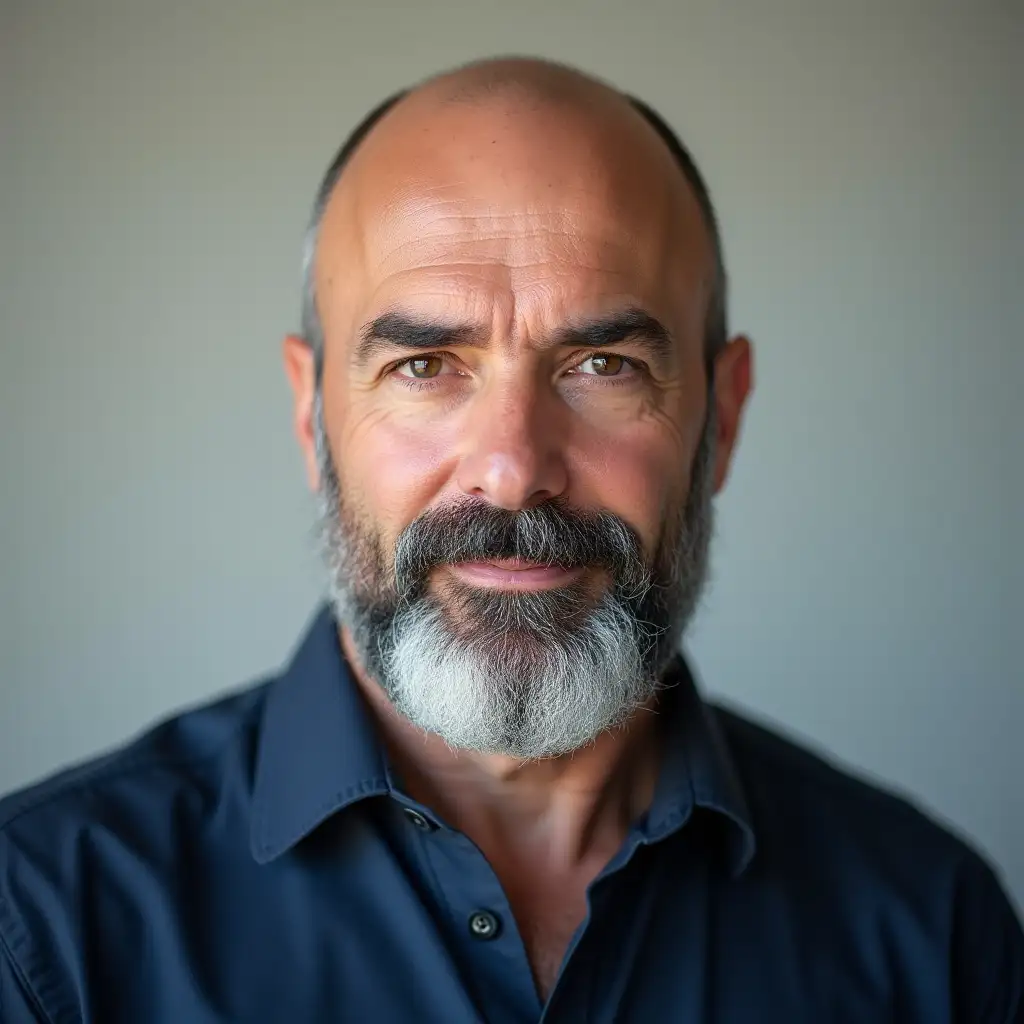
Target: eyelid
{"type": "Point", "coordinates": [637, 365]}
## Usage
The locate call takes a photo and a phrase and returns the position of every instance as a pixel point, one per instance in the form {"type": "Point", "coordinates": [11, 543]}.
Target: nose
{"type": "Point", "coordinates": [513, 452]}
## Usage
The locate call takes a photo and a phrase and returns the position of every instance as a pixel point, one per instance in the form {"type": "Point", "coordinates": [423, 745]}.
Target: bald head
{"type": "Point", "coordinates": [563, 97]}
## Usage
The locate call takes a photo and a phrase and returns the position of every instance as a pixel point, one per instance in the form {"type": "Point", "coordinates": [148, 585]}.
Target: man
{"type": "Point", "coordinates": [486, 788]}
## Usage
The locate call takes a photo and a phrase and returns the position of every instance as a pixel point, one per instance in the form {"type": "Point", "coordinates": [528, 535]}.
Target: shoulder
{"type": "Point", "coordinates": [185, 754]}
{"type": "Point", "coordinates": [888, 873]}
{"type": "Point", "coordinates": [137, 803]}
{"type": "Point", "coordinates": [794, 791]}
{"type": "Point", "coordinates": [827, 824]}
{"type": "Point", "coordinates": [118, 823]}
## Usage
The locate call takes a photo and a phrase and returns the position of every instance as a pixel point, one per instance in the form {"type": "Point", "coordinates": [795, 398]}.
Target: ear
{"type": "Point", "coordinates": [300, 367]}
{"type": "Point", "coordinates": [734, 381]}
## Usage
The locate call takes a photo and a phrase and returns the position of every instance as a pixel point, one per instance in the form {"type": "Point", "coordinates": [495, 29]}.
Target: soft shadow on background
{"type": "Point", "coordinates": [156, 166]}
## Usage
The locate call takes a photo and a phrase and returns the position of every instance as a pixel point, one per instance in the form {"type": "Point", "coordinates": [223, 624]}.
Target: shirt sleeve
{"type": "Point", "coordinates": [16, 1007]}
{"type": "Point", "coordinates": [988, 951]}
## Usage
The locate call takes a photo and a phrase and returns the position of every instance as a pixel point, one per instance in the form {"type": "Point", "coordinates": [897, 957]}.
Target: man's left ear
{"type": "Point", "coordinates": [734, 381]}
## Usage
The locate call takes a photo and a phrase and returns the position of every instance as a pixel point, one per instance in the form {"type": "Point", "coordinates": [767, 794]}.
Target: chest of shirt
{"type": "Point", "coordinates": [370, 919]}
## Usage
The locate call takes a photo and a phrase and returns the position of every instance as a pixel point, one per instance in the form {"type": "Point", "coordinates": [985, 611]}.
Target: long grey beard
{"type": "Point", "coordinates": [527, 675]}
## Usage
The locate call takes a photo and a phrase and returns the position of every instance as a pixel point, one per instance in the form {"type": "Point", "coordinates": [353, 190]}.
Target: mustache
{"type": "Point", "coordinates": [552, 533]}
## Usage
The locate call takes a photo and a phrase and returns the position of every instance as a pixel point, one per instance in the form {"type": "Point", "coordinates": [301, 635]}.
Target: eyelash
{"type": "Point", "coordinates": [432, 383]}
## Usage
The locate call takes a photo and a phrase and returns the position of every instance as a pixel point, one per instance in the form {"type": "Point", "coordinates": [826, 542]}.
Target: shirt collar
{"type": "Point", "coordinates": [698, 771]}
{"type": "Point", "coordinates": [318, 752]}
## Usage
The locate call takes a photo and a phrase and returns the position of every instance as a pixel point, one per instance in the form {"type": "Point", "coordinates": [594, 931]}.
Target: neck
{"type": "Point", "coordinates": [567, 809]}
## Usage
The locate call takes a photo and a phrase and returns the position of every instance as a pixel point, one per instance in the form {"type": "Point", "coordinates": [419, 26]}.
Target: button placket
{"type": "Point", "coordinates": [493, 949]}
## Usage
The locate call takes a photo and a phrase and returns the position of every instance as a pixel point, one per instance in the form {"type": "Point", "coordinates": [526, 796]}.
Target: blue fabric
{"type": "Point", "coordinates": [256, 861]}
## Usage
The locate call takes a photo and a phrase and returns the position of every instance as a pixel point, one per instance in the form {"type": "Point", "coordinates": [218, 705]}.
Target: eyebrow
{"type": "Point", "coordinates": [397, 329]}
{"type": "Point", "coordinates": [630, 324]}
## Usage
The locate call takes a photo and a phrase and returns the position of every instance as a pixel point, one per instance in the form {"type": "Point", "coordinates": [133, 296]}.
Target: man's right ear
{"type": "Point", "coordinates": [300, 367]}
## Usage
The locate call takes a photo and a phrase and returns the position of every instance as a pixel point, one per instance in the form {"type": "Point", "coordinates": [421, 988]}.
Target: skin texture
{"type": "Point", "coordinates": [512, 200]}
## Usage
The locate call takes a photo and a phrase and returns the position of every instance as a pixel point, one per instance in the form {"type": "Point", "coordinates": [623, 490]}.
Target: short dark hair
{"type": "Point", "coordinates": [312, 329]}
{"type": "Point", "coordinates": [716, 322]}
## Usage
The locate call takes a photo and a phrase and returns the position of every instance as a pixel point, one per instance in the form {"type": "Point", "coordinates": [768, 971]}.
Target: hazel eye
{"type": "Point", "coordinates": [607, 364]}
{"type": "Point", "coordinates": [422, 367]}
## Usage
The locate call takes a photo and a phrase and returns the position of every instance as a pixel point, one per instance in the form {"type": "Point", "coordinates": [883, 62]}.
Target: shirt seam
{"type": "Point", "coordinates": [7, 913]}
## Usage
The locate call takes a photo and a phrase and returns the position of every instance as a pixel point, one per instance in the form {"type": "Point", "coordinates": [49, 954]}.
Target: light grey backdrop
{"type": "Point", "coordinates": [157, 162]}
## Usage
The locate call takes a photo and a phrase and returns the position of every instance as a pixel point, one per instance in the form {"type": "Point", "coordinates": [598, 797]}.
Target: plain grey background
{"type": "Point", "coordinates": [157, 163]}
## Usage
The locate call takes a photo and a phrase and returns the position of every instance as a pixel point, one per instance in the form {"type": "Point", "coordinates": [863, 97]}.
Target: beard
{"type": "Point", "coordinates": [525, 674]}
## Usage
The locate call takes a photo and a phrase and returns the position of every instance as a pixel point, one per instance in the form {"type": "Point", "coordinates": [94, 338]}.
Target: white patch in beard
{"type": "Point", "coordinates": [519, 694]}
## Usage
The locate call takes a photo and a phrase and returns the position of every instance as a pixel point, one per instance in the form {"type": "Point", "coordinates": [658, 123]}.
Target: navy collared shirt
{"type": "Point", "coordinates": [256, 861]}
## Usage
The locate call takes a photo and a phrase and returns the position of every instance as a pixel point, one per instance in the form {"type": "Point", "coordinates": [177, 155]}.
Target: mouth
{"type": "Point", "coordinates": [513, 574]}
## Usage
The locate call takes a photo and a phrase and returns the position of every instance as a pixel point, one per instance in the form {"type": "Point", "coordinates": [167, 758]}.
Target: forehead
{"type": "Point", "coordinates": [512, 213]}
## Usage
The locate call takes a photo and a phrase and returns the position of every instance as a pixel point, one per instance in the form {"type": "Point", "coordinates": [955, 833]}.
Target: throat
{"type": "Point", "coordinates": [545, 867]}
{"type": "Point", "coordinates": [549, 905]}
{"type": "Point", "coordinates": [548, 931]}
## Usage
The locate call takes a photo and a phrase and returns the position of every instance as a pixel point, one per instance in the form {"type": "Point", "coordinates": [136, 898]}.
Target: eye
{"type": "Point", "coordinates": [421, 367]}
{"type": "Point", "coordinates": [603, 364]}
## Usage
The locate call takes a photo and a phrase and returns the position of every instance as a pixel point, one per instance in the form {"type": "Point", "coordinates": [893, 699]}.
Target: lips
{"type": "Point", "coordinates": [514, 574]}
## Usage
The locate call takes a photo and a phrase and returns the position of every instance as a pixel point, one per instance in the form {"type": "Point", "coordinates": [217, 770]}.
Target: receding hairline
{"type": "Point", "coordinates": [508, 79]}
{"type": "Point", "coordinates": [529, 80]}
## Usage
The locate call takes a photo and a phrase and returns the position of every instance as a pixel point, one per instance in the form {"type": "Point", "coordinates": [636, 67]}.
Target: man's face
{"type": "Point", "coordinates": [512, 413]}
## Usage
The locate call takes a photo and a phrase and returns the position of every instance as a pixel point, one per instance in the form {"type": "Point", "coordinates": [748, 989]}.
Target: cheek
{"type": "Point", "coordinates": [640, 474]}
{"type": "Point", "coordinates": [395, 466]}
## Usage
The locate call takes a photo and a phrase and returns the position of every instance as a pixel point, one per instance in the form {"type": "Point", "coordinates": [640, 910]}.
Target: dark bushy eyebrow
{"type": "Point", "coordinates": [630, 324]}
{"type": "Point", "coordinates": [400, 330]}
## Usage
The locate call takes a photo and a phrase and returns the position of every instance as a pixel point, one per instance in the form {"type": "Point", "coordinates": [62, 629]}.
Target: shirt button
{"type": "Point", "coordinates": [484, 925]}
{"type": "Point", "coordinates": [421, 821]}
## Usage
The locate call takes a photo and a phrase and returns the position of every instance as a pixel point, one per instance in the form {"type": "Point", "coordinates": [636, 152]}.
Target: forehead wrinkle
{"type": "Point", "coordinates": [589, 195]}
{"type": "Point", "coordinates": [515, 260]}
{"type": "Point", "coordinates": [519, 302]}
{"type": "Point", "coordinates": [405, 225]}
{"type": "Point", "coordinates": [434, 232]}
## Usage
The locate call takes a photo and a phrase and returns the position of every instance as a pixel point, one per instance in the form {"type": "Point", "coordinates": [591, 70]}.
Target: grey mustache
{"type": "Point", "coordinates": [552, 533]}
